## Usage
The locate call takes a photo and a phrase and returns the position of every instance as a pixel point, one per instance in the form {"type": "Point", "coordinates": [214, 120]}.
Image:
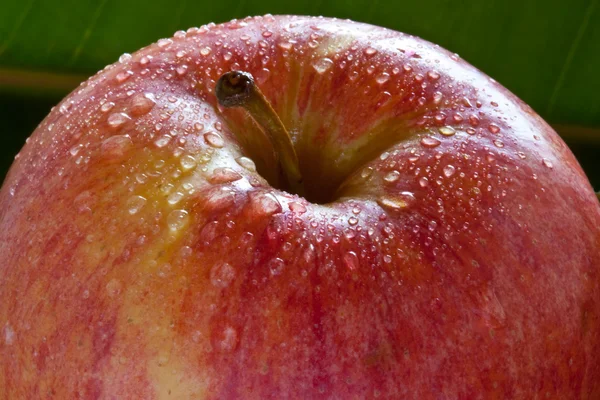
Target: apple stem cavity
{"type": "Point", "coordinates": [238, 89]}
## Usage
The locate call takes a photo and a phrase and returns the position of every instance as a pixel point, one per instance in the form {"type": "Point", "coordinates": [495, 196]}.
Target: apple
{"type": "Point", "coordinates": [353, 213]}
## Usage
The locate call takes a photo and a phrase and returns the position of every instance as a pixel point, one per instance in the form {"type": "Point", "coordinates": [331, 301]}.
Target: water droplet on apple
{"type": "Point", "coordinates": [177, 219]}
{"type": "Point", "coordinates": [433, 75]}
{"type": "Point", "coordinates": [141, 103]}
{"type": "Point", "coordinates": [547, 163]}
{"type": "Point", "coordinates": [430, 142]}
{"type": "Point", "coordinates": [116, 146]}
{"type": "Point", "coordinates": [9, 334]}
{"type": "Point", "coordinates": [123, 76]}
{"type": "Point", "coordinates": [423, 182]}
{"type": "Point", "coordinates": [322, 65]}
{"type": "Point", "coordinates": [398, 202]}
{"type": "Point", "coordinates": [75, 149]}
{"type": "Point", "coordinates": [276, 266]}
{"type": "Point", "coordinates": [447, 130]}
{"type": "Point", "coordinates": [162, 43]}
{"type": "Point", "coordinates": [219, 198]}
{"type": "Point", "coordinates": [116, 120]}
{"type": "Point", "coordinates": [107, 106]}
{"type": "Point", "coordinates": [474, 120]}
{"type": "Point", "coordinates": [162, 141]}
{"type": "Point", "coordinates": [449, 170]}
{"type": "Point", "coordinates": [187, 162]}
{"type": "Point", "coordinates": [265, 204]}
{"type": "Point", "coordinates": [222, 274]}
{"type": "Point", "coordinates": [113, 287]}
{"type": "Point", "coordinates": [205, 51]}
{"type": "Point", "coordinates": [175, 198]}
{"type": "Point", "coordinates": [246, 163]}
{"type": "Point", "coordinates": [392, 176]}
{"type": "Point", "coordinates": [366, 172]}
{"type": "Point", "coordinates": [351, 260]}
{"type": "Point", "coordinates": [296, 207]}
{"type": "Point", "coordinates": [382, 78]}
{"type": "Point", "coordinates": [125, 57]}
{"type": "Point", "coordinates": [370, 51]}
{"type": "Point", "coordinates": [493, 128]}
{"type": "Point", "coordinates": [224, 175]}
{"type": "Point", "coordinates": [352, 221]}
{"type": "Point", "coordinates": [135, 204]}
{"type": "Point", "coordinates": [230, 339]}
{"type": "Point", "coordinates": [214, 139]}
{"type": "Point", "coordinates": [498, 143]}
{"type": "Point", "coordinates": [262, 76]}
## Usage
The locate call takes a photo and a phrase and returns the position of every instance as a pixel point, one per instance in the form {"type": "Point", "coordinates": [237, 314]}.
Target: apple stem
{"type": "Point", "coordinates": [237, 89]}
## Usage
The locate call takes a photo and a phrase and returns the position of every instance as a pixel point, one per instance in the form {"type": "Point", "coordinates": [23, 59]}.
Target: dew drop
{"type": "Point", "coordinates": [175, 198]}
{"type": "Point", "coordinates": [433, 75]}
{"type": "Point", "coordinates": [162, 43]}
{"type": "Point", "coordinates": [187, 162]}
{"type": "Point", "coordinates": [246, 163]}
{"type": "Point", "coordinates": [296, 207]}
{"type": "Point", "coordinates": [276, 266]}
{"type": "Point", "coordinates": [107, 106]}
{"type": "Point", "coordinates": [547, 163]}
{"type": "Point", "coordinates": [352, 221]}
{"type": "Point", "coordinates": [222, 275]}
{"type": "Point", "coordinates": [205, 51]}
{"type": "Point", "coordinates": [447, 130]}
{"type": "Point", "coordinates": [162, 141]}
{"type": "Point", "coordinates": [366, 172]}
{"type": "Point", "coordinates": [398, 202]}
{"type": "Point", "coordinates": [382, 78]}
{"type": "Point", "coordinates": [113, 287]}
{"type": "Point", "coordinates": [224, 175]}
{"type": "Point", "coordinates": [214, 139]}
{"type": "Point", "coordinates": [135, 204]}
{"type": "Point", "coordinates": [75, 149]}
{"type": "Point", "coordinates": [493, 128]}
{"type": "Point", "coordinates": [449, 170]}
{"type": "Point", "coordinates": [123, 76]}
{"type": "Point", "coordinates": [116, 120]}
{"type": "Point", "coordinates": [262, 76]}
{"type": "Point", "coordinates": [430, 142]}
{"type": "Point", "coordinates": [370, 51]}
{"type": "Point", "coordinates": [142, 103]}
{"type": "Point", "coordinates": [351, 260]}
{"type": "Point", "coordinates": [265, 204]}
{"type": "Point", "coordinates": [498, 143]}
{"type": "Point", "coordinates": [230, 339]}
{"type": "Point", "coordinates": [392, 176]}
{"type": "Point", "coordinates": [124, 58]}
{"type": "Point", "coordinates": [9, 334]}
{"type": "Point", "coordinates": [423, 182]}
{"type": "Point", "coordinates": [177, 219]}
{"type": "Point", "coordinates": [322, 65]}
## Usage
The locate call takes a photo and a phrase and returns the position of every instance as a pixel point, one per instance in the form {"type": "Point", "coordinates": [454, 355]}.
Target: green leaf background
{"type": "Point", "coordinates": [545, 51]}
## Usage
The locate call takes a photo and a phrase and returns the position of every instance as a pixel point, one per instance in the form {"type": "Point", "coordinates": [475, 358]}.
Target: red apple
{"type": "Point", "coordinates": [446, 245]}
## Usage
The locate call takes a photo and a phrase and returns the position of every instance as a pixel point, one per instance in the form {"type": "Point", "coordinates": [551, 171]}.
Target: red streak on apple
{"type": "Point", "coordinates": [447, 247]}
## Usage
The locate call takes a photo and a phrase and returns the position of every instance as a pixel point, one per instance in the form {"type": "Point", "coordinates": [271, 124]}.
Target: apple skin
{"type": "Point", "coordinates": [450, 248]}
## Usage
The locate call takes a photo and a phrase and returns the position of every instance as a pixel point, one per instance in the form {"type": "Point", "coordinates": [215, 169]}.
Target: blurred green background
{"type": "Point", "coordinates": [545, 51]}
